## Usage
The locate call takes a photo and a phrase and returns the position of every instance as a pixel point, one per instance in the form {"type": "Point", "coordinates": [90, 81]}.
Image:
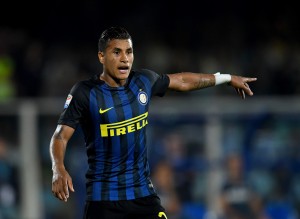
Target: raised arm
{"type": "Point", "coordinates": [188, 81]}
{"type": "Point", "coordinates": [61, 181]}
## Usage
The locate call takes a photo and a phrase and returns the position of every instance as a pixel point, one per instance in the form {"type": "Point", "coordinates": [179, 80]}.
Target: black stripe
{"type": "Point", "coordinates": [141, 84]}
{"type": "Point", "coordinates": [123, 145]}
{"type": "Point", "coordinates": [107, 142]}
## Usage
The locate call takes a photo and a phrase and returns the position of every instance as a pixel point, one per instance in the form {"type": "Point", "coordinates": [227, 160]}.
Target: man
{"type": "Point", "coordinates": [238, 198]}
{"type": "Point", "coordinates": [112, 109]}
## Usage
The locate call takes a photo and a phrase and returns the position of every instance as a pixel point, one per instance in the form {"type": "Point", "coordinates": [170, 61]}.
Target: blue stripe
{"type": "Point", "coordinates": [96, 187]}
{"type": "Point", "coordinates": [130, 147]}
{"type": "Point", "coordinates": [135, 90]}
{"type": "Point", "coordinates": [112, 117]}
{"type": "Point", "coordinates": [147, 84]}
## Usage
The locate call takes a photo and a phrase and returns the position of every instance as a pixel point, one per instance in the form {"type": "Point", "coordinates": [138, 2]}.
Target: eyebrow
{"type": "Point", "coordinates": [119, 49]}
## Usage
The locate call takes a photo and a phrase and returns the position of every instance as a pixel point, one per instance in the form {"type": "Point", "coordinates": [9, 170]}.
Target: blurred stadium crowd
{"type": "Point", "coordinates": [39, 66]}
{"type": "Point", "coordinates": [43, 58]}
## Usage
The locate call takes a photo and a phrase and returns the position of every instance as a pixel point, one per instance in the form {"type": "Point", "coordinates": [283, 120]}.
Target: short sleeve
{"type": "Point", "coordinates": [74, 107]}
{"type": "Point", "coordinates": [161, 85]}
{"type": "Point", "coordinates": [159, 82]}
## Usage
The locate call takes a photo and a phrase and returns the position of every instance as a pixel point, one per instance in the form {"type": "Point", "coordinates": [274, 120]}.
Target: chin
{"type": "Point", "coordinates": [123, 76]}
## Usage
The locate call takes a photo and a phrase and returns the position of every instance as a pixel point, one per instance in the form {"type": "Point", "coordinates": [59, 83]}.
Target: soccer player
{"type": "Point", "coordinates": [112, 109]}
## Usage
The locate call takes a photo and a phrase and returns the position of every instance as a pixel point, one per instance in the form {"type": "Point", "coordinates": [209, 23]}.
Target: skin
{"type": "Point", "coordinates": [117, 60]}
{"type": "Point", "coordinates": [61, 180]}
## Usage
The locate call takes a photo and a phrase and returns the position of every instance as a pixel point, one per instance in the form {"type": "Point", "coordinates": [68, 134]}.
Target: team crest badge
{"type": "Point", "coordinates": [68, 101]}
{"type": "Point", "coordinates": [143, 98]}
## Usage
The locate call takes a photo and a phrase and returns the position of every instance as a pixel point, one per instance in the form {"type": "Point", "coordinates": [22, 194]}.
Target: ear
{"type": "Point", "coordinates": [101, 57]}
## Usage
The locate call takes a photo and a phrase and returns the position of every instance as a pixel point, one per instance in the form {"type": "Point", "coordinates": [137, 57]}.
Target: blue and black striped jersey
{"type": "Point", "coordinates": [113, 120]}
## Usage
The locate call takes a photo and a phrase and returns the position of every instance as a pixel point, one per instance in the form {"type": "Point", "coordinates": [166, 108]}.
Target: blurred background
{"type": "Point", "coordinates": [212, 154]}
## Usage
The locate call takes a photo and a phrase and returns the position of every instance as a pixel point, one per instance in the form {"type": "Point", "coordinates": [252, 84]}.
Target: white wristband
{"type": "Point", "coordinates": [222, 78]}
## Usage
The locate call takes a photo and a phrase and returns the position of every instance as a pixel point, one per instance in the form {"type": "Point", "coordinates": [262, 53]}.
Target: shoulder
{"type": "Point", "coordinates": [83, 86]}
{"type": "Point", "coordinates": [146, 71]}
{"type": "Point", "coordinates": [152, 75]}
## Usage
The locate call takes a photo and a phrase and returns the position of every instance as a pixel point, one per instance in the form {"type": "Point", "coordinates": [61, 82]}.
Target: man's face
{"type": "Point", "coordinates": [117, 59]}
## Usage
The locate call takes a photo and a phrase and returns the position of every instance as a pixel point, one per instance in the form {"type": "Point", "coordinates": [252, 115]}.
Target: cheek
{"type": "Point", "coordinates": [111, 61]}
{"type": "Point", "coordinates": [130, 59]}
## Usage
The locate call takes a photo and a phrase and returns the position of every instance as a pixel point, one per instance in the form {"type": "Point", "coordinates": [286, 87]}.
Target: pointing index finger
{"type": "Point", "coordinates": [250, 79]}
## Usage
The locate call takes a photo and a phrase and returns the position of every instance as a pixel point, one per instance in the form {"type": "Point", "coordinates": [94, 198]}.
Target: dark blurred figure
{"type": "Point", "coordinates": [30, 70]}
{"type": "Point", "coordinates": [238, 200]}
{"type": "Point", "coordinates": [164, 180]}
{"type": "Point", "coordinates": [8, 185]}
{"type": "Point", "coordinates": [281, 204]}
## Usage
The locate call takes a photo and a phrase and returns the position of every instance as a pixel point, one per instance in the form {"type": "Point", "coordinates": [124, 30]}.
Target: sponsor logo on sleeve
{"type": "Point", "coordinates": [68, 101]}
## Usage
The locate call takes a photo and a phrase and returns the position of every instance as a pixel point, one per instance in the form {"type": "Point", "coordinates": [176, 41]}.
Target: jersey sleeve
{"type": "Point", "coordinates": [160, 82]}
{"type": "Point", "coordinates": [161, 85]}
{"type": "Point", "coordinates": [75, 106]}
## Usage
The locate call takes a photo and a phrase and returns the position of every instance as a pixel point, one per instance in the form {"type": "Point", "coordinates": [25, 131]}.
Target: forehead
{"type": "Point", "coordinates": [122, 44]}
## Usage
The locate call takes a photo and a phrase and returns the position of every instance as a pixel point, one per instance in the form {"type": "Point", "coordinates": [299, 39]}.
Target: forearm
{"type": "Point", "coordinates": [58, 145]}
{"type": "Point", "coordinates": [187, 81]}
{"type": "Point", "coordinates": [57, 151]}
{"type": "Point", "coordinates": [61, 180]}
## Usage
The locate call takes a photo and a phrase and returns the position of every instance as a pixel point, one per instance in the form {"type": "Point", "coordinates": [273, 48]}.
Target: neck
{"type": "Point", "coordinates": [112, 82]}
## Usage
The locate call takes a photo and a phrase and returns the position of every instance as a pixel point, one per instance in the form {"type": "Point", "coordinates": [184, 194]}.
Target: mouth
{"type": "Point", "coordinates": [123, 69]}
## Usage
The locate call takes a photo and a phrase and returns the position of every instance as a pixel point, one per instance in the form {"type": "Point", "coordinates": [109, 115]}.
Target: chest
{"type": "Point", "coordinates": [118, 105]}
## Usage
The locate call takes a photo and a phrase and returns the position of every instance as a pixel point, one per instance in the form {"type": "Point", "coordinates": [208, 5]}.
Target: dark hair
{"type": "Point", "coordinates": [111, 34]}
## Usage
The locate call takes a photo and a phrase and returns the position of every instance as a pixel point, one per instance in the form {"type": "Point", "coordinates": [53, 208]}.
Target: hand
{"type": "Point", "coordinates": [241, 85]}
{"type": "Point", "coordinates": [61, 183]}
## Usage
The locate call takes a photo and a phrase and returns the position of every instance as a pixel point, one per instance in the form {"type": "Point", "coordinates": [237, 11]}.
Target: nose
{"type": "Point", "coordinates": [124, 58]}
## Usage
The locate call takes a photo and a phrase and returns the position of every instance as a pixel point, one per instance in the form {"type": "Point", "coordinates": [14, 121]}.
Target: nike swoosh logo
{"type": "Point", "coordinates": [160, 214]}
{"type": "Point", "coordinates": [101, 111]}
